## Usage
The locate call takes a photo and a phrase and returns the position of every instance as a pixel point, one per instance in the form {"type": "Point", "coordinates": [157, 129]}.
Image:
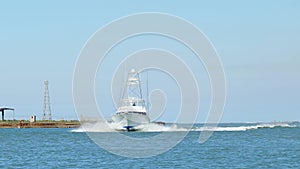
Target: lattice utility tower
{"type": "Point", "coordinates": [47, 109]}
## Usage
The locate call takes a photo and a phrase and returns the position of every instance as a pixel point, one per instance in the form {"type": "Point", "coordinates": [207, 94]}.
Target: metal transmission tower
{"type": "Point", "coordinates": [47, 109]}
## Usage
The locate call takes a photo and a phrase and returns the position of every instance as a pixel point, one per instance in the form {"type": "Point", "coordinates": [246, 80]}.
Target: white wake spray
{"type": "Point", "coordinates": [154, 127]}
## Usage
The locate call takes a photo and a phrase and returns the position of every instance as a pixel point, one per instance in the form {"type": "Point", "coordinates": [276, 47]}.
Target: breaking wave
{"type": "Point", "coordinates": [154, 127]}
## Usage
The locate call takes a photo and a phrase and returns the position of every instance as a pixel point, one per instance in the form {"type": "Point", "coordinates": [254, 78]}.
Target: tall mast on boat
{"type": "Point", "coordinates": [133, 86]}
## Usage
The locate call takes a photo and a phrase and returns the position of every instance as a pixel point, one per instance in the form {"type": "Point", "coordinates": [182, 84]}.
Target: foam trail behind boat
{"type": "Point", "coordinates": [154, 127]}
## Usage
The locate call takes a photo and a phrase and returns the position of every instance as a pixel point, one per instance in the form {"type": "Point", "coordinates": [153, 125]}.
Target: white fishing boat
{"type": "Point", "coordinates": [131, 113]}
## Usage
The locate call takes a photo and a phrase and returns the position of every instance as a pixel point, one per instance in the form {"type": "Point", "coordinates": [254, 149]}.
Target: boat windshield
{"type": "Point", "coordinates": [133, 102]}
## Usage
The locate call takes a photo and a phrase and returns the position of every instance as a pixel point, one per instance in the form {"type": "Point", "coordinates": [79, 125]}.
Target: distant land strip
{"type": "Point", "coordinates": [39, 124]}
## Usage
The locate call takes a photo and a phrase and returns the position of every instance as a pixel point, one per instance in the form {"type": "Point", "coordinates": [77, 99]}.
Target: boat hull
{"type": "Point", "coordinates": [130, 120]}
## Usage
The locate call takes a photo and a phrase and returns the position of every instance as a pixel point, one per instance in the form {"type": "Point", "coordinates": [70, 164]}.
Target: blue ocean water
{"type": "Point", "coordinates": [232, 146]}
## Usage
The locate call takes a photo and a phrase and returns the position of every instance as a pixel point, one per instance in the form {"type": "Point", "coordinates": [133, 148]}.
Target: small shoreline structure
{"type": "Point", "coordinates": [39, 124]}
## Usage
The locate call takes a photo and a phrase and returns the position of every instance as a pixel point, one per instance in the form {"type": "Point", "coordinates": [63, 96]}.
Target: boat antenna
{"type": "Point", "coordinates": [147, 90]}
{"type": "Point", "coordinates": [140, 87]}
{"type": "Point", "coordinates": [124, 81]}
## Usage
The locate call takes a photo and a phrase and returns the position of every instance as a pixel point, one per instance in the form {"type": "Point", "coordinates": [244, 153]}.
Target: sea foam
{"type": "Point", "coordinates": [154, 127]}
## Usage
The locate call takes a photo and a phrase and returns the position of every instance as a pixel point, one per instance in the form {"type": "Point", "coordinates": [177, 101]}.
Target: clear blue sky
{"type": "Point", "coordinates": [257, 41]}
